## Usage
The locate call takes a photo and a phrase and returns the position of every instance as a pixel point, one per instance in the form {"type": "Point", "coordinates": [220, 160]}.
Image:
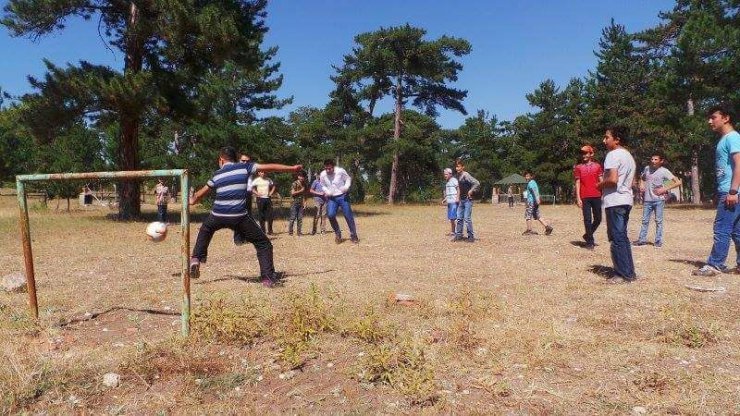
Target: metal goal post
{"type": "Point", "coordinates": [20, 182]}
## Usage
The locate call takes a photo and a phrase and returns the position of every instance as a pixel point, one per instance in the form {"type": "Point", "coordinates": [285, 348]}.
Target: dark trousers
{"type": "Point", "coordinates": [296, 215]}
{"type": "Point", "coordinates": [319, 218]}
{"type": "Point", "coordinates": [511, 201]}
{"type": "Point", "coordinates": [264, 213]}
{"type": "Point", "coordinates": [247, 228]}
{"type": "Point", "coordinates": [162, 213]}
{"type": "Point", "coordinates": [591, 209]}
{"type": "Point", "coordinates": [621, 249]}
{"type": "Point", "coordinates": [249, 203]}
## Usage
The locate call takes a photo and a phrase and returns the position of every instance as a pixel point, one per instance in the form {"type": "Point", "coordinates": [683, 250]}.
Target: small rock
{"type": "Point", "coordinates": [329, 365]}
{"type": "Point", "coordinates": [198, 381]}
{"type": "Point", "coordinates": [288, 375]}
{"type": "Point", "coordinates": [74, 400]}
{"type": "Point", "coordinates": [15, 282]}
{"type": "Point", "coordinates": [105, 329]}
{"type": "Point", "coordinates": [466, 392]}
{"type": "Point", "coordinates": [111, 380]}
{"type": "Point", "coordinates": [639, 410]}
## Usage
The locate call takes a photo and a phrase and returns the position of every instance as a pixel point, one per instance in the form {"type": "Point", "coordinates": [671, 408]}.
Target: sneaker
{"type": "Point", "coordinates": [639, 243]}
{"type": "Point", "coordinates": [617, 280]}
{"type": "Point", "coordinates": [338, 239]}
{"type": "Point", "coordinates": [456, 239]}
{"type": "Point", "coordinates": [707, 271]}
{"type": "Point", "coordinates": [194, 268]}
{"type": "Point", "coordinates": [658, 245]}
{"type": "Point", "coordinates": [354, 240]}
{"type": "Point", "coordinates": [590, 246]}
{"type": "Point", "coordinates": [470, 240]}
{"type": "Point", "coordinates": [548, 230]}
{"type": "Point", "coordinates": [530, 232]}
{"type": "Point", "coordinates": [267, 282]}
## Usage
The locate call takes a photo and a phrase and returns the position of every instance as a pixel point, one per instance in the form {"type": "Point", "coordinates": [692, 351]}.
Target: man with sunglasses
{"type": "Point", "coordinates": [588, 173]}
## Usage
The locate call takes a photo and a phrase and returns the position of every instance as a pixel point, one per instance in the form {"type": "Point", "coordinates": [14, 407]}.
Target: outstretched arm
{"type": "Point", "coordinates": [277, 167]}
{"type": "Point", "coordinates": [199, 195]}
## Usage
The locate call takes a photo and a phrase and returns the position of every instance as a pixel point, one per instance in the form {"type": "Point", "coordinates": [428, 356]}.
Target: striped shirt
{"type": "Point", "coordinates": [230, 183]}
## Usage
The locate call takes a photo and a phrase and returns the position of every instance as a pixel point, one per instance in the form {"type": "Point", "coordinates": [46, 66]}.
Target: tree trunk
{"type": "Point", "coordinates": [695, 188]}
{"type": "Point", "coordinates": [393, 187]}
{"type": "Point", "coordinates": [130, 205]}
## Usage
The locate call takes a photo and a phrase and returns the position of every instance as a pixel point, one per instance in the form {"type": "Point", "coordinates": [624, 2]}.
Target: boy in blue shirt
{"type": "Point", "coordinates": [532, 210]}
{"type": "Point", "coordinates": [230, 211]}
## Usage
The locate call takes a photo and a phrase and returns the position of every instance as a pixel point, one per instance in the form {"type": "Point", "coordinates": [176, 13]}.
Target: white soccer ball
{"type": "Point", "coordinates": [156, 231]}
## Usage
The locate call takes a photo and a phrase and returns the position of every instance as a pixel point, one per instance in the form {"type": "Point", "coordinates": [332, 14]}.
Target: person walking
{"type": "Point", "coordinates": [727, 168]}
{"type": "Point", "coordinates": [532, 210]}
{"type": "Point", "coordinates": [588, 173]}
{"type": "Point", "coordinates": [616, 187]}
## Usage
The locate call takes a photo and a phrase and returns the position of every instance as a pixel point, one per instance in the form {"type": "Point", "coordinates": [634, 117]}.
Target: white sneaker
{"type": "Point", "coordinates": [707, 271]}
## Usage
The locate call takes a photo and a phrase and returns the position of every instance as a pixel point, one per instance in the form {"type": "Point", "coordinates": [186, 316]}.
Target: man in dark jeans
{"type": "Point", "coordinates": [230, 211]}
{"type": "Point", "coordinates": [588, 174]}
{"type": "Point", "coordinates": [619, 174]}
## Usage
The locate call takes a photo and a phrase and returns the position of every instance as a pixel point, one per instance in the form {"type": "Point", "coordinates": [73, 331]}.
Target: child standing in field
{"type": "Point", "coordinates": [451, 197]}
{"type": "Point", "coordinates": [298, 192]}
{"type": "Point", "coordinates": [163, 194]}
{"type": "Point", "coordinates": [532, 210]}
{"type": "Point", "coordinates": [468, 186]}
{"type": "Point", "coordinates": [319, 200]}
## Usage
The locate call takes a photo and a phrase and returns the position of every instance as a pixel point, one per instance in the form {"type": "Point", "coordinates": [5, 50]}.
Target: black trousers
{"type": "Point", "coordinates": [264, 213]}
{"type": "Point", "coordinates": [247, 229]}
{"type": "Point", "coordinates": [591, 217]}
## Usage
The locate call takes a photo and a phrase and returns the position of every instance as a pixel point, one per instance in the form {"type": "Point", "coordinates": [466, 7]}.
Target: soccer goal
{"type": "Point", "coordinates": [21, 181]}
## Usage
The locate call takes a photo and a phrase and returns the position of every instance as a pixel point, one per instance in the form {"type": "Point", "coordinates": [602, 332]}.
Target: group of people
{"type": "Point", "coordinates": [233, 186]}
{"type": "Point", "coordinates": [458, 195]}
{"type": "Point", "coordinates": [612, 188]}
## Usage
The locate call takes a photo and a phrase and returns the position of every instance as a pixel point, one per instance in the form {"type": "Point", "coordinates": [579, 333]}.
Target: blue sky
{"type": "Point", "coordinates": [515, 44]}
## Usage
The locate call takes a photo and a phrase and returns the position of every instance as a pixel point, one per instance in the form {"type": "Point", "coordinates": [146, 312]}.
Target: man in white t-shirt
{"type": "Point", "coordinates": [617, 196]}
{"type": "Point", "coordinates": [335, 183]}
{"type": "Point", "coordinates": [656, 183]}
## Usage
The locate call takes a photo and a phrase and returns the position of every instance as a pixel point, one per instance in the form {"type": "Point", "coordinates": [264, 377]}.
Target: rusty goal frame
{"type": "Point", "coordinates": [25, 229]}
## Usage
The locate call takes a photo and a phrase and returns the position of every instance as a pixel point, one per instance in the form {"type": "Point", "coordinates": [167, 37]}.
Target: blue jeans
{"type": "Point", "coordinates": [648, 208]}
{"type": "Point", "coordinates": [464, 212]}
{"type": "Point", "coordinates": [726, 225]}
{"type": "Point", "coordinates": [621, 250]}
{"type": "Point", "coordinates": [162, 213]}
{"type": "Point", "coordinates": [332, 205]}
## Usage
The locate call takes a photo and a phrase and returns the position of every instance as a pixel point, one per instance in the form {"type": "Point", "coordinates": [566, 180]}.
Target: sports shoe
{"type": "Point", "coordinates": [470, 240]}
{"type": "Point", "coordinates": [194, 268]}
{"type": "Point", "coordinates": [354, 240]}
{"type": "Point", "coordinates": [338, 239]}
{"type": "Point", "coordinates": [639, 243]}
{"type": "Point", "coordinates": [658, 245]}
{"type": "Point", "coordinates": [267, 282]}
{"type": "Point", "coordinates": [530, 232]}
{"type": "Point", "coordinates": [589, 247]}
{"type": "Point", "coordinates": [548, 230]}
{"type": "Point", "coordinates": [456, 239]}
{"type": "Point", "coordinates": [616, 280]}
{"type": "Point", "coordinates": [707, 271]}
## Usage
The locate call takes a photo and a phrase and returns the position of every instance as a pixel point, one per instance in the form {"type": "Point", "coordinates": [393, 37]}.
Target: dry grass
{"type": "Point", "coordinates": [509, 324]}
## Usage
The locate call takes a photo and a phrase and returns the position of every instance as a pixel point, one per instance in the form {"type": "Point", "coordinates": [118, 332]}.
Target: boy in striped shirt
{"type": "Point", "coordinates": [230, 211]}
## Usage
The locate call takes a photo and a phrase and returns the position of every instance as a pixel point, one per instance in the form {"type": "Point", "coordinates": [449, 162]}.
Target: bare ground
{"type": "Point", "coordinates": [508, 324]}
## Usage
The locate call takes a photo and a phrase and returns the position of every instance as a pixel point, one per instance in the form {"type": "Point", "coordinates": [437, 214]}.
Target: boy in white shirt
{"type": "Point", "coordinates": [451, 197]}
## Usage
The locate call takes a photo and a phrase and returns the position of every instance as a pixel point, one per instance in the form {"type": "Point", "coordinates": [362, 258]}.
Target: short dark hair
{"type": "Point", "coordinates": [329, 162]}
{"type": "Point", "coordinates": [459, 162]}
{"type": "Point", "coordinates": [228, 153]}
{"type": "Point", "coordinates": [528, 172]}
{"type": "Point", "coordinates": [724, 109]}
{"type": "Point", "coordinates": [619, 132]}
{"type": "Point", "coordinates": [302, 173]}
{"type": "Point", "coordinates": [659, 154]}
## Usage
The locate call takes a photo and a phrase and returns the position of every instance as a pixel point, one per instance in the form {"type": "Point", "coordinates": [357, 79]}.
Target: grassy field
{"type": "Point", "coordinates": [506, 325]}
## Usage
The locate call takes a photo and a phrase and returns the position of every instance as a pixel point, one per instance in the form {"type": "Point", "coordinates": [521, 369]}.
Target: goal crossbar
{"type": "Point", "coordinates": [25, 229]}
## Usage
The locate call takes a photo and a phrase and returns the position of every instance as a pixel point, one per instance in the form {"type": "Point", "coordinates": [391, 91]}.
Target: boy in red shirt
{"type": "Point", "coordinates": [588, 197]}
